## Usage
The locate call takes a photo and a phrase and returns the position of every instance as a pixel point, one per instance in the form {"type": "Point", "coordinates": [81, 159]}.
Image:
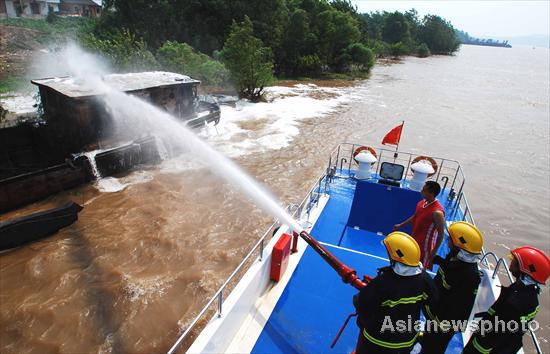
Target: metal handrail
{"type": "Point", "coordinates": [218, 295]}
{"type": "Point", "coordinates": [341, 151]}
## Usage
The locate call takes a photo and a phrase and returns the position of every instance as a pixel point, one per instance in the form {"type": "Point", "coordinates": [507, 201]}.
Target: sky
{"type": "Point", "coordinates": [487, 19]}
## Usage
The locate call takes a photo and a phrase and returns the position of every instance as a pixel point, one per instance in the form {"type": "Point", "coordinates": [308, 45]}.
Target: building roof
{"type": "Point", "coordinates": [73, 87]}
{"type": "Point", "coordinates": [83, 2]}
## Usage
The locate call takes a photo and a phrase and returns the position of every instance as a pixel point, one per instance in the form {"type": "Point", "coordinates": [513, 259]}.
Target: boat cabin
{"type": "Point", "coordinates": [72, 110]}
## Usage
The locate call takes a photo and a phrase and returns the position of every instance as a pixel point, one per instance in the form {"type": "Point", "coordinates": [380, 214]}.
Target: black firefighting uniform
{"type": "Point", "coordinates": [519, 303]}
{"type": "Point", "coordinates": [457, 284]}
{"type": "Point", "coordinates": [391, 300]}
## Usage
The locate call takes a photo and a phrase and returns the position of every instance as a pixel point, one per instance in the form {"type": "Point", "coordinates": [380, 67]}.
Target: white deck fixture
{"type": "Point", "coordinates": [421, 171]}
{"type": "Point", "coordinates": [365, 160]}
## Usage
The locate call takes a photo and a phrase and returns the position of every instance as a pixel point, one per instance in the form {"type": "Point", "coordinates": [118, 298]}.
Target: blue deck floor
{"type": "Point", "coordinates": [316, 302]}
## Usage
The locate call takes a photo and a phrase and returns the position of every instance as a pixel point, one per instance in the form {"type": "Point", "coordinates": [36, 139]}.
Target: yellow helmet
{"type": "Point", "coordinates": [466, 236]}
{"type": "Point", "coordinates": [402, 248]}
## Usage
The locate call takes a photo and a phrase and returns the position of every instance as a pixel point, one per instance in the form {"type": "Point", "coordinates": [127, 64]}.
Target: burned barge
{"type": "Point", "coordinates": [44, 157]}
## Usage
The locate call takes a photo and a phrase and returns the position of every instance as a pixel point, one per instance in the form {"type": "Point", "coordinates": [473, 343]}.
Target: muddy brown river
{"type": "Point", "coordinates": [152, 246]}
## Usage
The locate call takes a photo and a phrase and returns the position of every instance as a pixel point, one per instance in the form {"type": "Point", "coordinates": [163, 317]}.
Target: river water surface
{"type": "Point", "coordinates": [150, 247]}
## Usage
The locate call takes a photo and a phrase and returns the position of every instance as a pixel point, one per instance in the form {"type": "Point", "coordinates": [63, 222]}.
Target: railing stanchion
{"type": "Point", "coordinates": [342, 160]}
{"type": "Point", "coordinates": [294, 242]}
{"type": "Point", "coordinates": [261, 250]}
{"type": "Point", "coordinates": [439, 170]}
{"type": "Point", "coordinates": [408, 167]}
{"type": "Point", "coordinates": [379, 163]}
{"type": "Point", "coordinates": [456, 207]}
{"type": "Point", "coordinates": [460, 194]}
{"type": "Point", "coordinates": [338, 157]}
{"type": "Point", "coordinates": [351, 159]}
{"type": "Point", "coordinates": [220, 303]}
{"type": "Point", "coordinates": [456, 175]}
{"type": "Point", "coordinates": [465, 213]}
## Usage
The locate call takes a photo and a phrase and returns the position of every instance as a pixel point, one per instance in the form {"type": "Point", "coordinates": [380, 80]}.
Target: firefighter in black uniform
{"type": "Point", "coordinates": [516, 306]}
{"type": "Point", "coordinates": [389, 307]}
{"type": "Point", "coordinates": [457, 281]}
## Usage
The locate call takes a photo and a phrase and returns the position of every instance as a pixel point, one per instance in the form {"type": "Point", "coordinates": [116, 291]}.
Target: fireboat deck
{"type": "Point", "coordinates": [304, 310]}
{"type": "Point", "coordinates": [315, 302]}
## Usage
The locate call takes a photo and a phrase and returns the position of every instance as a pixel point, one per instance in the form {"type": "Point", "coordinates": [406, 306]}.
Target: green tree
{"type": "Point", "coordinates": [336, 31]}
{"type": "Point", "coordinates": [248, 61]}
{"type": "Point", "coordinates": [395, 28]}
{"type": "Point", "coordinates": [269, 19]}
{"type": "Point", "coordinates": [297, 43]}
{"type": "Point", "coordinates": [344, 6]}
{"type": "Point", "coordinates": [413, 22]}
{"type": "Point", "coordinates": [375, 22]}
{"type": "Point", "coordinates": [439, 35]}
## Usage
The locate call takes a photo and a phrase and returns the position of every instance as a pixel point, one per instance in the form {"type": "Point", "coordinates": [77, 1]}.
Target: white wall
{"type": "Point", "coordinates": [10, 9]}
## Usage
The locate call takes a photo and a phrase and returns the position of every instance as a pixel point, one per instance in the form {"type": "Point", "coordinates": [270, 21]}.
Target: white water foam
{"type": "Point", "coordinates": [273, 125]}
{"type": "Point", "coordinates": [112, 184]}
{"type": "Point", "coordinates": [182, 163]}
{"type": "Point", "coordinates": [161, 148]}
{"type": "Point", "coordinates": [19, 103]}
{"type": "Point", "coordinates": [91, 158]}
{"type": "Point", "coordinates": [145, 289]}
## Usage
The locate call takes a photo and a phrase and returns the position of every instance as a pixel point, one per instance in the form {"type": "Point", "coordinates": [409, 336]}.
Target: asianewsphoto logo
{"type": "Point", "coordinates": [484, 326]}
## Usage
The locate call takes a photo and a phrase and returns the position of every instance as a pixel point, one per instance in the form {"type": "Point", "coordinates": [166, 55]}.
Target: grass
{"type": "Point", "coordinates": [57, 28]}
{"type": "Point", "coordinates": [11, 84]}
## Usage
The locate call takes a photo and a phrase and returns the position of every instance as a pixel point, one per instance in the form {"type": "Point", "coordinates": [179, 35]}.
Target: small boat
{"type": "Point", "coordinates": [207, 111]}
{"type": "Point", "coordinates": [36, 226]}
{"type": "Point", "coordinates": [288, 298]}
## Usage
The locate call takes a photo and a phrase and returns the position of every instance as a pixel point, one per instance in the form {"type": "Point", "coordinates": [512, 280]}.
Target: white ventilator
{"type": "Point", "coordinates": [365, 161]}
{"type": "Point", "coordinates": [421, 170]}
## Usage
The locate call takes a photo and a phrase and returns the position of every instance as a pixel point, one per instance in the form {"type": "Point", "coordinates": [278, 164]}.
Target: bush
{"type": "Point", "coordinates": [55, 30]}
{"type": "Point", "coordinates": [3, 113]}
{"type": "Point", "coordinates": [123, 50]}
{"type": "Point", "coordinates": [398, 49]}
{"type": "Point", "coordinates": [182, 58]}
{"type": "Point", "coordinates": [380, 49]}
{"type": "Point", "coordinates": [360, 56]}
{"type": "Point", "coordinates": [309, 64]}
{"type": "Point", "coordinates": [51, 17]}
{"type": "Point", "coordinates": [423, 51]}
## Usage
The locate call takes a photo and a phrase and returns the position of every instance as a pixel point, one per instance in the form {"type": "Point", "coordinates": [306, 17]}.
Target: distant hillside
{"type": "Point", "coordinates": [465, 38]}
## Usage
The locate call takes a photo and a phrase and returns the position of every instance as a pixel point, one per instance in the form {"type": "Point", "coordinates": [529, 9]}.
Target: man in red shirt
{"type": "Point", "coordinates": [428, 219]}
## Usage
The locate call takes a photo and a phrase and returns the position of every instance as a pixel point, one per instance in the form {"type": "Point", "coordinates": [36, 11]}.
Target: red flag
{"type": "Point", "coordinates": [393, 136]}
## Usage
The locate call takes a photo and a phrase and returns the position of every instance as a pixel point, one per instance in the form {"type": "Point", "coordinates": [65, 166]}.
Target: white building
{"type": "Point", "coordinates": [41, 8]}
